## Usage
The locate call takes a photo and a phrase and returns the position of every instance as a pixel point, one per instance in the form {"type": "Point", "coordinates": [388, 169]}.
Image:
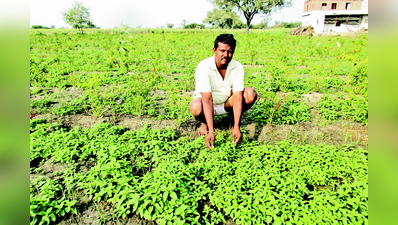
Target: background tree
{"type": "Point", "coordinates": [90, 25]}
{"type": "Point", "coordinates": [223, 18]}
{"type": "Point", "coordinates": [183, 24]}
{"type": "Point", "coordinates": [250, 8]}
{"type": "Point", "coordinates": [170, 25]}
{"type": "Point", "coordinates": [77, 16]}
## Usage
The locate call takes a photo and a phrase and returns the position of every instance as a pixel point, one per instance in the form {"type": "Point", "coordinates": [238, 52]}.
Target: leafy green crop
{"type": "Point", "coordinates": [163, 176]}
{"type": "Point", "coordinates": [271, 108]}
{"type": "Point", "coordinates": [354, 108]}
{"type": "Point", "coordinates": [170, 179]}
{"type": "Point", "coordinates": [138, 62]}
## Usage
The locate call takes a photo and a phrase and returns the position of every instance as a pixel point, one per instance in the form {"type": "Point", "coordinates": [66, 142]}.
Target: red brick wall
{"type": "Point", "coordinates": [310, 5]}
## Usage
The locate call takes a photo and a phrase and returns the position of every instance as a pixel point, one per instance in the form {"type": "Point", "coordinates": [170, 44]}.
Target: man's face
{"type": "Point", "coordinates": [223, 55]}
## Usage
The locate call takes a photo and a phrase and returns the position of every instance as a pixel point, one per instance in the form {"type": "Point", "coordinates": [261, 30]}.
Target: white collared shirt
{"type": "Point", "coordinates": [208, 79]}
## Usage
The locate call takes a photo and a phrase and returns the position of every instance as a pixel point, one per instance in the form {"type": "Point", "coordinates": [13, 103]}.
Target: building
{"type": "Point", "coordinates": [336, 15]}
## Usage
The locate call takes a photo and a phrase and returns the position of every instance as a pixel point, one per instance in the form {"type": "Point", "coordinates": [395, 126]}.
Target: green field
{"type": "Point", "coordinates": [112, 140]}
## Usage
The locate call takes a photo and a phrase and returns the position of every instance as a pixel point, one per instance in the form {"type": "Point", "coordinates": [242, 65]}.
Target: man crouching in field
{"type": "Point", "coordinates": [220, 90]}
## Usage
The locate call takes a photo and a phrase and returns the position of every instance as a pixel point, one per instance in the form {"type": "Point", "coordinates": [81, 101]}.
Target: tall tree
{"type": "Point", "coordinates": [223, 18]}
{"type": "Point", "coordinates": [250, 8]}
{"type": "Point", "coordinates": [77, 16]}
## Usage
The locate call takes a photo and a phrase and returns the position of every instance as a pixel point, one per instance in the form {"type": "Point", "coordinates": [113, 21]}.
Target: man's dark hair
{"type": "Point", "coordinates": [225, 39]}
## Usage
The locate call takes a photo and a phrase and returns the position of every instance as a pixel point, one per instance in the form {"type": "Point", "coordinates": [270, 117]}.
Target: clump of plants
{"type": "Point", "coordinates": [354, 108]}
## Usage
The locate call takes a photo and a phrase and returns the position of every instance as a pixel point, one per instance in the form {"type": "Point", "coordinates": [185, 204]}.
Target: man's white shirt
{"type": "Point", "coordinates": [208, 79]}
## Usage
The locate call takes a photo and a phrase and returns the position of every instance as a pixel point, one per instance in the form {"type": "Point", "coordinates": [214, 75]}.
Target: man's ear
{"type": "Point", "coordinates": [214, 50]}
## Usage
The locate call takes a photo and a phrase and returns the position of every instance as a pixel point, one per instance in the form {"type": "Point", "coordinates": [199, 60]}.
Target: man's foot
{"type": "Point", "coordinates": [202, 130]}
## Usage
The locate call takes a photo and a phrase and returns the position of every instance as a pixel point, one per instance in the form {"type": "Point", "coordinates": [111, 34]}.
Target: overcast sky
{"type": "Point", "coordinates": [148, 13]}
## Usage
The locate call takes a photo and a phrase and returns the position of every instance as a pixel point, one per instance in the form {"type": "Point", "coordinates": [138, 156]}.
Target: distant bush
{"type": "Point", "coordinates": [279, 24]}
{"type": "Point", "coordinates": [261, 25]}
{"type": "Point", "coordinates": [292, 24]}
{"type": "Point", "coordinates": [39, 27]}
{"type": "Point", "coordinates": [195, 26]}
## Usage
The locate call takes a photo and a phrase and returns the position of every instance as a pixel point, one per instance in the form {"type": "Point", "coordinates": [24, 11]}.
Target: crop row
{"type": "Point", "coordinates": [162, 176]}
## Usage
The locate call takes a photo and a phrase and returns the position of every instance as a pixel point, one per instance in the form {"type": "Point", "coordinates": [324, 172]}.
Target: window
{"type": "Point", "coordinates": [324, 5]}
{"type": "Point", "coordinates": [334, 5]}
{"type": "Point", "coordinates": [348, 5]}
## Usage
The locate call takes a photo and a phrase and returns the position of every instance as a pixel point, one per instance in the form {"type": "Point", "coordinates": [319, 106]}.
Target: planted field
{"type": "Point", "coordinates": [113, 141]}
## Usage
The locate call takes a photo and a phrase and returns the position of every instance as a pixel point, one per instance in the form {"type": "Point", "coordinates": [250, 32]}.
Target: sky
{"type": "Point", "coordinates": [148, 13]}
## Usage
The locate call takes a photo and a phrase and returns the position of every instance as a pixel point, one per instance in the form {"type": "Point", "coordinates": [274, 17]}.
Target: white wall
{"type": "Point", "coordinates": [315, 20]}
{"type": "Point", "coordinates": [329, 27]}
{"type": "Point", "coordinates": [365, 21]}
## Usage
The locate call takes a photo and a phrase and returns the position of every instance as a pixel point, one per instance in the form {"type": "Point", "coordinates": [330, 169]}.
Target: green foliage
{"type": "Point", "coordinates": [195, 26]}
{"type": "Point", "coordinates": [223, 19]}
{"type": "Point", "coordinates": [292, 24]}
{"type": "Point", "coordinates": [177, 107]}
{"type": "Point", "coordinates": [39, 27]}
{"type": "Point", "coordinates": [41, 105]}
{"type": "Point", "coordinates": [279, 24]}
{"type": "Point", "coordinates": [251, 7]}
{"type": "Point", "coordinates": [170, 179]}
{"type": "Point", "coordinates": [47, 201]}
{"type": "Point", "coordinates": [117, 71]}
{"type": "Point", "coordinates": [355, 108]}
{"type": "Point", "coordinates": [73, 107]}
{"type": "Point", "coordinates": [276, 111]}
{"type": "Point", "coordinates": [78, 16]}
{"type": "Point", "coordinates": [162, 175]}
{"type": "Point", "coordinates": [359, 78]}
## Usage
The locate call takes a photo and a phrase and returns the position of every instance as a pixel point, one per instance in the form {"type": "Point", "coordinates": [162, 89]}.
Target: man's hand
{"type": "Point", "coordinates": [236, 135]}
{"type": "Point", "coordinates": [209, 140]}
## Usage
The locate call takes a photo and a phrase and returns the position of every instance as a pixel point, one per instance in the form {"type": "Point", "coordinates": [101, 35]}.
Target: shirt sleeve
{"type": "Point", "coordinates": [202, 79]}
{"type": "Point", "coordinates": [238, 82]}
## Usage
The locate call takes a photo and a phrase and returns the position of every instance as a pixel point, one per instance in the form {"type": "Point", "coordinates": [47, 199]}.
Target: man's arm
{"type": "Point", "coordinates": [207, 102]}
{"type": "Point", "coordinates": [237, 109]}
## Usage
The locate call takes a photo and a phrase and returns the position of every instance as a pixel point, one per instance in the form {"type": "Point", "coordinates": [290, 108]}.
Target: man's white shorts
{"type": "Point", "coordinates": [218, 109]}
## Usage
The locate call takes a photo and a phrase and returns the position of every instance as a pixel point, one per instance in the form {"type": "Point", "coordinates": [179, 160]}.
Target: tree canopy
{"type": "Point", "coordinates": [250, 8]}
{"type": "Point", "coordinates": [223, 18]}
{"type": "Point", "coordinates": [78, 16]}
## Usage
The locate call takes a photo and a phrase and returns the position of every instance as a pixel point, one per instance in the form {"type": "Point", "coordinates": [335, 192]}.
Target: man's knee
{"type": "Point", "coordinates": [250, 95]}
{"type": "Point", "coordinates": [195, 107]}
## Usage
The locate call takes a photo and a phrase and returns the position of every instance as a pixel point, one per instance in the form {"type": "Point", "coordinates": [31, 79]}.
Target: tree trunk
{"type": "Point", "coordinates": [247, 27]}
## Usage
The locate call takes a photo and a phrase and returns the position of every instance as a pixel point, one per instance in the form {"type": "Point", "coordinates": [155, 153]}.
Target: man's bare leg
{"type": "Point", "coordinates": [197, 113]}
{"type": "Point", "coordinates": [249, 98]}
